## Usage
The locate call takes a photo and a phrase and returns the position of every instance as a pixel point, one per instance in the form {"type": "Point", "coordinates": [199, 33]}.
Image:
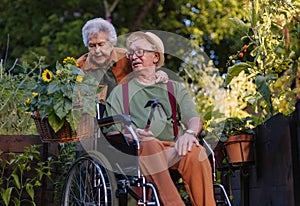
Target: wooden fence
{"type": "Point", "coordinates": [274, 180]}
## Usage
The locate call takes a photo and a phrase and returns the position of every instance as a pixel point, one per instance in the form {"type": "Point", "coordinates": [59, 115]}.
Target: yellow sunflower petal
{"type": "Point", "coordinates": [79, 78]}
{"type": "Point", "coordinates": [35, 94]}
{"type": "Point", "coordinates": [27, 101]}
{"type": "Point", "coordinates": [47, 75]}
{"type": "Point", "coordinates": [70, 60]}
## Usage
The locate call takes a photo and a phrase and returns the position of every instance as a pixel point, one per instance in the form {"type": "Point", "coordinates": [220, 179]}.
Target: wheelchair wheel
{"type": "Point", "coordinates": [90, 182]}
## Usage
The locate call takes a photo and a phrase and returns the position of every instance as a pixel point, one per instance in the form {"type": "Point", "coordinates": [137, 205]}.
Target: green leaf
{"type": "Point", "coordinates": [30, 190]}
{"type": "Point", "coordinates": [16, 180]}
{"type": "Point", "coordinates": [55, 122]}
{"type": "Point", "coordinates": [263, 88]}
{"type": "Point", "coordinates": [89, 85]}
{"type": "Point", "coordinates": [74, 118]}
{"type": "Point", "coordinates": [6, 194]}
{"type": "Point", "coordinates": [235, 70]}
{"type": "Point", "coordinates": [69, 91]}
{"type": "Point", "coordinates": [53, 87]}
{"type": "Point", "coordinates": [76, 70]}
{"type": "Point", "coordinates": [239, 24]}
{"type": "Point", "coordinates": [16, 201]}
{"type": "Point", "coordinates": [62, 106]}
{"type": "Point", "coordinates": [254, 12]}
{"type": "Point", "coordinates": [89, 105]}
{"type": "Point", "coordinates": [37, 183]}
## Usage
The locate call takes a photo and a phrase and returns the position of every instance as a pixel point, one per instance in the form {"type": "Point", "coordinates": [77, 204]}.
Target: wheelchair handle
{"type": "Point", "coordinates": [115, 119]}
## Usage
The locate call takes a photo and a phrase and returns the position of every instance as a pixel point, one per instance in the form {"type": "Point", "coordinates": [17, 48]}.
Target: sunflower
{"type": "Point", "coordinates": [70, 60]}
{"type": "Point", "coordinates": [79, 78]}
{"type": "Point", "coordinates": [27, 101]}
{"type": "Point", "coordinates": [47, 75]}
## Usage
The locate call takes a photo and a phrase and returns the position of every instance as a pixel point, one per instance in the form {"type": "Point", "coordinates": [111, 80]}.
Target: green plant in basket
{"type": "Point", "coordinates": [63, 94]}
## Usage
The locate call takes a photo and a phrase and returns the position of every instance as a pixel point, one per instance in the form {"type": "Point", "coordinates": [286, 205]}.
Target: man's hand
{"type": "Point", "coordinates": [161, 76]}
{"type": "Point", "coordinates": [144, 135]}
{"type": "Point", "coordinates": [184, 143]}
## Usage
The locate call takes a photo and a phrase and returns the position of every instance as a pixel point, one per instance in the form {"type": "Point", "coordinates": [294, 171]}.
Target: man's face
{"type": "Point", "coordinates": [99, 49]}
{"type": "Point", "coordinates": [142, 55]}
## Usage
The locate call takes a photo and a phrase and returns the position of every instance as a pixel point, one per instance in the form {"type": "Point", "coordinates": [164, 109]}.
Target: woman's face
{"type": "Point", "coordinates": [99, 49]}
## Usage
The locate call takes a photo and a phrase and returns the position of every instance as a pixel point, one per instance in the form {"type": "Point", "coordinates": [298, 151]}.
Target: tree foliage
{"type": "Point", "coordinates": [53, 28]}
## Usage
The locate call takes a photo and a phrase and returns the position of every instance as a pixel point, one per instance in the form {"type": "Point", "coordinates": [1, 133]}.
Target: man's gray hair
{"type": "Point", "coordinates": [96, 25]}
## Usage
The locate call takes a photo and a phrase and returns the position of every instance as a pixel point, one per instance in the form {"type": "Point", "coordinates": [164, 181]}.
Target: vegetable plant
{"type": "Point", "coordinates": [21, 174]}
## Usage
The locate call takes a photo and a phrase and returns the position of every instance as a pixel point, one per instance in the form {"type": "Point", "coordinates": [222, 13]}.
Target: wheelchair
{"type": "Point", "coordinates": [101, 176]}
{"type": "Point", "coordinates": [95, 180]}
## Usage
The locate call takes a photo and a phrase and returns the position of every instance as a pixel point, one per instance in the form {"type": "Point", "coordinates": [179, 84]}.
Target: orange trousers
{"type": "Point", "coordinates": [156, 157]}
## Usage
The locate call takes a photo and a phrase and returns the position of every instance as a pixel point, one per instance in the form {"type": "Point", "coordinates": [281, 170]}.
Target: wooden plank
{"type": "Point", "coordinates": [16, 143]}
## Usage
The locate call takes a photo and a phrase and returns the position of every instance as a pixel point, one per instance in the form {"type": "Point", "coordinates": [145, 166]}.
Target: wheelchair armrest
{"type": "Point", "coordinates": [115, 119]}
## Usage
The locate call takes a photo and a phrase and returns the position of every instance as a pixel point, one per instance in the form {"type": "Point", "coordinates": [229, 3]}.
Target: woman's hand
{"type": "Point", "coordinates": [184, 143]}
{"type": "Point", "coordinates": [144, 135]}
{"type": "Point", "coordinates": [161, 76]}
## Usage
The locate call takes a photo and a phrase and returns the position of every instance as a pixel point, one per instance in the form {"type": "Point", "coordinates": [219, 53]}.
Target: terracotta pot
{"type": "Point", "coordinates": [240, 148]}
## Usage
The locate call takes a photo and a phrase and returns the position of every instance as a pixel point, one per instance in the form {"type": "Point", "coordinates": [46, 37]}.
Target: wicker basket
{"type": "Point", "coordinates": [65, 134]}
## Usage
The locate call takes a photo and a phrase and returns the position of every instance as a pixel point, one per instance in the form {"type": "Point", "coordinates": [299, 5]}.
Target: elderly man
{"type": "Point", "coordinates": [159, 150]}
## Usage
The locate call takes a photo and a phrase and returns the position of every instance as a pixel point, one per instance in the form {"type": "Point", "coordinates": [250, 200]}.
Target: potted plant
{"type": "Point", "coordinates": [63, 102]}
{"type": "Point", "coordinates": [237, 136]}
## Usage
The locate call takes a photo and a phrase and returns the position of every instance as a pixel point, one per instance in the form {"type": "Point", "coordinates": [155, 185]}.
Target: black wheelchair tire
{"type": "Point", "coordinates": [81, 188]}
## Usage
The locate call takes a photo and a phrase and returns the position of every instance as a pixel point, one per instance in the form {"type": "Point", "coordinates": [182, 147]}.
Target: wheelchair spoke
{"type": "Point", "coordinates": [88, 184]}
